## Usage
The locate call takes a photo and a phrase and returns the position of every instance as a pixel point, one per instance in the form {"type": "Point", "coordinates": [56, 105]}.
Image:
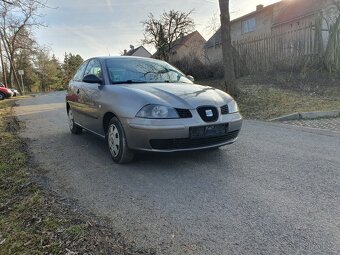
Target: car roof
{"type": "Point", "coordinates": [123, 57]}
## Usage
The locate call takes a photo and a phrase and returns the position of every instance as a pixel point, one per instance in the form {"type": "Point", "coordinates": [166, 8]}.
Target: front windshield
{"type": "Point", "coordinates": [125, 70]}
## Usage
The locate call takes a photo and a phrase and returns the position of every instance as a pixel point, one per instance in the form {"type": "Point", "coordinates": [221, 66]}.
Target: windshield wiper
{"type": "Point", "coordinates": [128, 82]}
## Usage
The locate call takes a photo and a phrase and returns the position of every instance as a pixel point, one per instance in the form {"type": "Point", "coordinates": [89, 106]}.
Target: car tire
{"type": "Point", "coordinates": [74, 128]}
{"type": "Point", "coordinates": [117, 143]}
{"type": "Point", "coordinates": [2, 96]}
{"type": "Point", "coordinates": [214, 148]}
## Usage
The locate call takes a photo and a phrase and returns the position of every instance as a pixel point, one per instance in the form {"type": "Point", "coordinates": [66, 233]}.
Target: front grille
{"type": "Point", "coordinates": [187, 143]}
{"type": "Point", "coordinates": [184, 113]}
{"type": "Point", "coordinates": [224, 110]}
{"type": "Point", "coordinates": [204, 110]}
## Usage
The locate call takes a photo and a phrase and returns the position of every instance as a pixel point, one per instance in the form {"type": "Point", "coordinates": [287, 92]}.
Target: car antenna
{"type": "Point", "coordinates": [109, 52]}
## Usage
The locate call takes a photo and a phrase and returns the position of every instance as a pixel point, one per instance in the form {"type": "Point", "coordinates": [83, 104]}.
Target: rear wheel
{"type": "Point", "coordinates": [75, 129]}
{"type": "Point", "coordinates": [117, 143]}
{"type": "Point", "coordinates": [2, 96]}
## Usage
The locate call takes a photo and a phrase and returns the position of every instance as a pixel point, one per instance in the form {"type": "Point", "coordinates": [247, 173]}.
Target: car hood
{"type": "Point", "coordinates": [181, 95]}
{"type": "Point", "coordinates": [6, 90]}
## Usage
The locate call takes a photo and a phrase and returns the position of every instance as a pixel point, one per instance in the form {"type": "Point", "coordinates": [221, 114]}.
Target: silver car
{"type": "Point", "coordinates": [140, 104]}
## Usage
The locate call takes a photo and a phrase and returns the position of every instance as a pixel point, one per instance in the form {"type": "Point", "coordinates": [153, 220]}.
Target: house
{"type": "Point", "coordinates": [280, 17]}
{"type": "Point", "coordinates": [137, 52]}
{"type": "Point", "coordinates": [189, 46]}
{"type": "Point", "coordinates": [258, 22]}
{"type": "Point", "coordinates": [295, 14]}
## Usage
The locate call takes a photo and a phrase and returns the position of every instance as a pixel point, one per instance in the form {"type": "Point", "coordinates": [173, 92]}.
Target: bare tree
{"type": "Point", "coordinates": [213, 25]}
{"type": "Point", "coordinates": [163, 32]}
{"type": "Point", "coordinates": [17, 20]}
{"type": "Point", "coordinates": [227, 49]}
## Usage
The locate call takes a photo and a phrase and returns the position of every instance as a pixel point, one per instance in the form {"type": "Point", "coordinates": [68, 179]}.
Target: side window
{"type": "Point", "coordinates": [94, 68]}
{"type": "Point", "coordinates": [80, 73]}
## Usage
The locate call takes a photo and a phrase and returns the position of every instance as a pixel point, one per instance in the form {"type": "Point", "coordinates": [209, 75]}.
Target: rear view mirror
{"type": "Point", "coordinates": [91, 78]}
{"type": "Point", "coordinates": [190, 78]}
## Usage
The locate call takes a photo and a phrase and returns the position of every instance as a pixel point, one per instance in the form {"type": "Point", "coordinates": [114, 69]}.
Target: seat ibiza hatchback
{"type": "Point", "coordinates": [140, 104]}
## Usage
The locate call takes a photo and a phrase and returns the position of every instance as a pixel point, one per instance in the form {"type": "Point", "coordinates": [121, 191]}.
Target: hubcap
{"type": "Point", "coordinates": [70, 119]}
{"type": "Point", "coordinates": [114, 140]}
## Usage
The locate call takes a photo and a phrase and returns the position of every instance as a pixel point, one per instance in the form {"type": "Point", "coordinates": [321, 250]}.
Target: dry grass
{"type": "Point", "coordinates": [34, 220]}
{"type": "Point", "coordinates": [260, 99]}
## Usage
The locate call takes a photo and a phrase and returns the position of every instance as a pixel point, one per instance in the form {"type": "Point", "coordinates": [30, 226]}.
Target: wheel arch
{"type": "Point", "coordinates": [67, 107]}
{"type": "Point", "coordinates": [106, 120]}
{"type": "Point", "coordinates": [4, 95]}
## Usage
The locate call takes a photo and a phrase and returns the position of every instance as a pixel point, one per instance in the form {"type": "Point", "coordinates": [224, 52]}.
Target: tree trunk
{"type": "Point", "coordinates": [227, 49]}
{"type": "Point", "coordinates": [12, 66]}
{"type": "Point", "coordinates": [4, 75]}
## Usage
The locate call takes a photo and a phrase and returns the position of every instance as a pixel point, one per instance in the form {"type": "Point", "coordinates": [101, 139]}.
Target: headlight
{"type": "Point", "coordinates": [233, 107]}
{"type": "Point", "coordinates": [157, 112]}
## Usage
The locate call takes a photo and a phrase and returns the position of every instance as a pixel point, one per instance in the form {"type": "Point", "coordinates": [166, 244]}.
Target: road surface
{"type": "Point", "coordinates": [275, 191]}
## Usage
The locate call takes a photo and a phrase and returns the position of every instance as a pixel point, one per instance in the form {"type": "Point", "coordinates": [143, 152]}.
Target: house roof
{"type": "Point", "coordinates": [183, 41]}
{"type": "Point", "coordinates": [216, 38]}
{"type": "Point", "coordinates": [297, 9]}
{"type": "Point", "coordinates": [265, 8]}
{"type": "Point", "coordinates": [133, 51]}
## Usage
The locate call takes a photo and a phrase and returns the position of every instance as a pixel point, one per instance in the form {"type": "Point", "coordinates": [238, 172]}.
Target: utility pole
{"type": "Point", "coordinates": [21, 73]}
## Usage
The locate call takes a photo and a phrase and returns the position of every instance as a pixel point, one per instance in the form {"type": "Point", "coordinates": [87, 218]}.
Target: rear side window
{"type": "Point", "coordinates": [80, 73]}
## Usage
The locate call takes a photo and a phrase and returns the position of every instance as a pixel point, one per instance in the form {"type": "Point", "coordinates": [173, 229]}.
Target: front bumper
{"type": "Point", "coordinates": [173, 135]}
{"type": "Point", "coordinates": [9, 95]}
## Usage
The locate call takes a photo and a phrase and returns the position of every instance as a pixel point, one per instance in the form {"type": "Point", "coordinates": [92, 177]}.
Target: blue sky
{"type": "Point", "coordinates": [94, 28]}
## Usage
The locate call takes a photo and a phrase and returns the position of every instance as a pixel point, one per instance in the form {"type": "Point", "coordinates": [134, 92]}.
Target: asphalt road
{"type": "Point", "coordinates": [275, 191]}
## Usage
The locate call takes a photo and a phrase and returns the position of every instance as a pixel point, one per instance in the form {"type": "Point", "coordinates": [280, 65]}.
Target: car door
{"type": "Point", "coordinates": [73, 93]}
{"type": "Point", "coordinates": [89, 96]}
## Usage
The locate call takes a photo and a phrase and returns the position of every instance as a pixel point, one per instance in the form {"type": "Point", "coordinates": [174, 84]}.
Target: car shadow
{"type": "Point", "coordinates": [156, 159]}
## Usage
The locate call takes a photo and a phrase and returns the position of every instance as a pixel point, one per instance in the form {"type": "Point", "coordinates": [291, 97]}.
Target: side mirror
{"type": "Point", "coordinates": [93, 79]}
{"type": "Point", "coordinates": [190, 78]}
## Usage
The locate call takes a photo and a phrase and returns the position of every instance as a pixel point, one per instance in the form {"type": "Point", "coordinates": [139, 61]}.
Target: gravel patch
{"type": "Point", "coordinates": [332, 124]}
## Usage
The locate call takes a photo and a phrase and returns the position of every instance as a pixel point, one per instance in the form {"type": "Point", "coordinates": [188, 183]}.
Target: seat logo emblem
{"type": "Point", "coordinates": [209, 113]}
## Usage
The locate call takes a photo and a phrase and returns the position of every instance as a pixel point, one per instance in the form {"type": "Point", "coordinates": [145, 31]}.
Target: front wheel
{"type": "Point", "coordinates": [75, 129]}
{"type": "Point", "coordinates": [2, 96]}
{"type": "Point", "coordinates": [117, 143]}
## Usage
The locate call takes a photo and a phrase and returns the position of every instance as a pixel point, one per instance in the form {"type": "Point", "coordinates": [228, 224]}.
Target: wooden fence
{"type": "Point", "coordinates": [279, 50]}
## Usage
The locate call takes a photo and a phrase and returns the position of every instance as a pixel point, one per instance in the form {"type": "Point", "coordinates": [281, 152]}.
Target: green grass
{"type": "Point", "coordinates": [34, 220]}
{"type": "Point", "coordinates": [266, 101]}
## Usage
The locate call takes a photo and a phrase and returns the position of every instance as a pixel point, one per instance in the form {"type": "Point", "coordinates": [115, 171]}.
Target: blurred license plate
{"type": "Point", "coordinates": [208, 131]}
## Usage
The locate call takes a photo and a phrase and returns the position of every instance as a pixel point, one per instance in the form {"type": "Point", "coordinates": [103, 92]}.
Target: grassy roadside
{"type": "Point", "coordinates": [34, 220]}
{"type": "Point", "coordinates": [264, 100]}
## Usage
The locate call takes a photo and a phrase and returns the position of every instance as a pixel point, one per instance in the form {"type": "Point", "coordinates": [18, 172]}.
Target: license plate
{"type": "Point", "coordinates": [208, 131]}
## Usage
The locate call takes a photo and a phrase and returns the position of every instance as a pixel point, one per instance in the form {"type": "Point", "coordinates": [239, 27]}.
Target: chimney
{"type": "Point", "coordinates": [125, 52]}
{"type": "Point", "coordinates": [132, 47]}
{"type": "Point", "coordinates": [259, 7]}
